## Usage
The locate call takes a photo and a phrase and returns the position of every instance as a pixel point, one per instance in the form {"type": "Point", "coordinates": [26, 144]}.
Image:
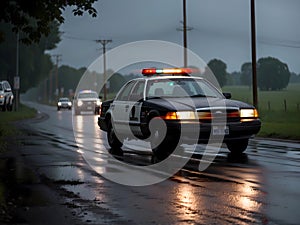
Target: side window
{"type": "Point", "coordinates": [124, 94]}
{"type": "Point", "coordinates": [138, 91]}
{"type": "Point", "coordinates": [7, 86]}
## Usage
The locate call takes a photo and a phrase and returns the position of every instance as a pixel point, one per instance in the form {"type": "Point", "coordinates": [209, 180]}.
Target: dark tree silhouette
{"type": "Point", "coordinates": [272, 74]}
{"type": "Point", "coordinates": [33, 18]}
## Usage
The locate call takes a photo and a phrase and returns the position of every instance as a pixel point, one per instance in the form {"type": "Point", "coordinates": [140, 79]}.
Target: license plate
{"type": "Point", "coordinates": [89, 107]}
{"type": "Point", "coordinates": [220, 130]}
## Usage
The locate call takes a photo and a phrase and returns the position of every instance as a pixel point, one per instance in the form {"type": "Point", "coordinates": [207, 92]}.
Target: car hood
{"type": "Point", "coordinates": [185, 104]}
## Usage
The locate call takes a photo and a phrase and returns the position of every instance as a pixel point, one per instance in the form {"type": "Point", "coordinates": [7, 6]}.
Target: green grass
{"type": "Point", "coordinates": [277, 121]}
{"type": "Point", "coordinates": [6, 119]}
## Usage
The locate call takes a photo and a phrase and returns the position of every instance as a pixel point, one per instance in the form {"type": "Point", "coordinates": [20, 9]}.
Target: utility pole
{"type": "Point", "coordinates": [57, 60]}
{"type": "Point", "coordinates": [104, 42]}
{"type": "Point", "coordinates": [184, 35]}
{"type": "Point", "coordinates": [17, 77]}
{"type": "Point", "coordinates": [184, 28]}
{"type": "Point", "coordinates": [253, 47]}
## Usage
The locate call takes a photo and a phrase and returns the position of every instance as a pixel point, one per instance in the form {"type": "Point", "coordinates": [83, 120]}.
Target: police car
{"type": "Point", "coordinates": [181, 101]}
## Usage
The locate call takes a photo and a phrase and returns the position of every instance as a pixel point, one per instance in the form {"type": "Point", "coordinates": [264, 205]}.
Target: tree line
{"type": "Point", "coordinates": [272, 74]}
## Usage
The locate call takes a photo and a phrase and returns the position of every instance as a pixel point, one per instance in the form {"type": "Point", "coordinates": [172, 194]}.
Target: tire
{"type": "Point", "coordinates": [58, 108]}
{"type": "Point", "coordinates": [10, 107]}
{"type": "Point", "coordinates": [164, 149]}
{"type": "Point", "coordinates": [238, 146]}
{"type": "Point", "coordinates": [112, 138]}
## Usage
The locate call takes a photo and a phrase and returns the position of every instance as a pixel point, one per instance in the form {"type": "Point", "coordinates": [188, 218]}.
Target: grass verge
{"type": "Point", "coordinates": [279, 110]}
{"type": "Point", "coordinates": [6, 119]}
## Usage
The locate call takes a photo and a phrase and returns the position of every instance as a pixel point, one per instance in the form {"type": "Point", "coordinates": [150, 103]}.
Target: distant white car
{"type": "Point", "coordinates": [87, 100]}
{"type": "Point", "coordinates": [6, 96]}
{"type": "Point", "coordinates": [64, 103]}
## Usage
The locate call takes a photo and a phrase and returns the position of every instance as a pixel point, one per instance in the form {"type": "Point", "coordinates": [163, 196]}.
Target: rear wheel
{"type": "Point", "coordinates": [238, 146]}
{"type": "Point", "coordinates": [112, 138]}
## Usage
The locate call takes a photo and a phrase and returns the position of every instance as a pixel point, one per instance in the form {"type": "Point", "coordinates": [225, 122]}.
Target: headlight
{"type": "Point", "coordinates": [1, 96]}
{"type": "Point", "coordinates": [98, 102]}
{"type": "Point", "coordinates": [248, 114]}
{"type": "Point", "coordinates": [59, 103]}
{"type": "Point", "coordinates": [79, 103]}
{"type": "Point", "coordinates": [69, 103]}
{"type": "Point", "coordinates": [183, 115]}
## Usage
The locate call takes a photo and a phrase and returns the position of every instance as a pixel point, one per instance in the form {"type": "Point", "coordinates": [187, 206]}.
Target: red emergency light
{"type": "Point", "coordinates": [167, 71]}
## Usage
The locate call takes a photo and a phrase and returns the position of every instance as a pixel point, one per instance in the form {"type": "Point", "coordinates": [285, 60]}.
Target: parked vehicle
{"type": "Point", "coordinates": [6, 96]}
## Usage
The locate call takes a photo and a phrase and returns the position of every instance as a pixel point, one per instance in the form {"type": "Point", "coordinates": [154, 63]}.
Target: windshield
{"type": "Point", "coordinates": [181, 87]}
{"type": "Point", "coordinates": [64, 100]}
{"type": "Point", "coordinates": [88, 95]}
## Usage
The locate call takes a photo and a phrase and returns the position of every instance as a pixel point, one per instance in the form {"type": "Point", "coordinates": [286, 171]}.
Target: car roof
{"type": "Point", "coordinates": [161, 77]}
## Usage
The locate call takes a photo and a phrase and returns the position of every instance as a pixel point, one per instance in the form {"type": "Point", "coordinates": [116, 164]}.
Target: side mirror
{"type": "Point", "coordinates": [227, 95]}
{"type": "Point", "coordinates": [7, 90]}
{"type": "Point", "coordinates": [100, 96]}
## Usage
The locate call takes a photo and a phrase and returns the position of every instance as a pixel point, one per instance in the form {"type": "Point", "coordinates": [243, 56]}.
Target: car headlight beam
{"type": "Point", "coordinates": [98, 102]}
{"type": "Point", "coordinates": [248, 114]}
{"type": "Point", "coordinates": [181, 115]}
{"type": "Point", "coordinates": [79, 103]}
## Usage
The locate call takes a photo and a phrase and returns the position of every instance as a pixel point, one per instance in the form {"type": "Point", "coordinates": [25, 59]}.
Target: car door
{"type": "Point", "coordinates": [120, 108]}
{"type": "Point", "coordinates": [135, 105]}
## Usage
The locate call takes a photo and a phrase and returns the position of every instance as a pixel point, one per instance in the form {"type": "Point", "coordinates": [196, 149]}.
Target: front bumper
{"type": "Point", "coordinates": [235, 130]}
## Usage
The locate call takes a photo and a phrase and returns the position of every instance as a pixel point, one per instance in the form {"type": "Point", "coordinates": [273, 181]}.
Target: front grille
{"type": "Point", "coordinates": [218, 115]}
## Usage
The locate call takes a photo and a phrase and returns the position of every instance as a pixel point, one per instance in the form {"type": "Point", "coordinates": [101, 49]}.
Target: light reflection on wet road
{"type": "Point", "coordinates": [261, 187]}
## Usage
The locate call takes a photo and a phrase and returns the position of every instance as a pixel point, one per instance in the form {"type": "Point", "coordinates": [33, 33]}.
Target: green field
{"type": "Point", "coordinates": [279, 110]}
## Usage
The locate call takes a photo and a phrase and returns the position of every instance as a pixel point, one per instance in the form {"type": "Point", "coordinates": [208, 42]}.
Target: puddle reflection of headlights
{"type": "Point", "coordinates": [79, 103]}
{"type": "Point", "coordinates": [98, 103]}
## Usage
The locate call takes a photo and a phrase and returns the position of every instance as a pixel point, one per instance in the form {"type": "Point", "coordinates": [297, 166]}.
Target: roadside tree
{"type": "Point", "coordinates": [34, 18]}
{"type": "Point", "coordinates": [218, 67]}
{"type": "Point", "coordinates": [246, 74]}
{"type": "Point", "coordinates": [272, 74]}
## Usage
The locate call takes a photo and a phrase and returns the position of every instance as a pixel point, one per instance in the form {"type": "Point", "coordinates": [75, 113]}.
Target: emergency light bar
{"type": "Point", "coordinates": [167, 71]}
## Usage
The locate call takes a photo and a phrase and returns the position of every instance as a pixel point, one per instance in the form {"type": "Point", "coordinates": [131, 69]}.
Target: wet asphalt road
{"type": "Point", "coordinates": [260, 187]}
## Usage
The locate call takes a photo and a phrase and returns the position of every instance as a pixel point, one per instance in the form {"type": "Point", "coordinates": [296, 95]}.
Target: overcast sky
{"type": "Point", "coordinates": [221, 29]}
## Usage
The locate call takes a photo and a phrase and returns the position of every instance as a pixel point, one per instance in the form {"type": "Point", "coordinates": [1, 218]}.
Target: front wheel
{"type": "Point", "coordinates": [237, 146]}
{"type": "Point", "coordinates": [112, 138]}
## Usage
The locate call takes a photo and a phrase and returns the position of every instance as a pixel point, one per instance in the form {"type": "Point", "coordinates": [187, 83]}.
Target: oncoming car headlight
{"type": "Point", "coordinates": [98, 102]}
{"type": "Point", "coordinates": [59, 103]}
{"type": "Point", "coordinates": [79, 103]}
{"type": "Point", "coordinates": [69, 103]}
{"type": "Point", "coordinates": [248, 114]}
{"type": "Point", "coordinates": [181, 115]}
